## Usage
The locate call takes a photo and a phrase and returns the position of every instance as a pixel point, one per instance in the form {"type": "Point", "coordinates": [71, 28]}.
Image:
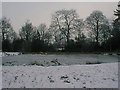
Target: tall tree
{"type": "Point", "coordinates": [42, 33]}
{"type": "Point", "coordinates": [97, 23]}
{"type": "Point", "coordinates": [42, 28]}
{"type": "Point", "coordinates": [26, 31]}
{"type": "Point", "coordinates": [116, 23]}
{"type": "Point", "coordinates": [41, 39]}
{"type": "Point", "coordinates": [26, 34]}
{"type": "Point", "coordinates": [0, 41]}
{"type": "Point", "coordinates": [63, 24]}
{"type": "Point", "coordinates": [79, 27]}
{"type": "Point", "coordinates": [105, 31]}
{"type": "Point", "coordinates": [7, 29]}
{"type": "Point", "coordinates": [116, 30]}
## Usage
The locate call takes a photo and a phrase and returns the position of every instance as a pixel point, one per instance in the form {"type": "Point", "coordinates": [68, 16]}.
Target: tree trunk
{"type": "Point", "coordinates": [68, 35]}
{"type": "Point", "coordinates": [3, 34]}
{"type": "Point", "coordinates": [97, 34]}
{"type": "Point", "coordinates": [67, 39]}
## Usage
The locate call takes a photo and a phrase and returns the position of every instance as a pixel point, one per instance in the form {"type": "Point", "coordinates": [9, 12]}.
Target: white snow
{"type": "Point", "coordinates": [0, 77]}
{"type": "Point", "coordinates": [72, 76]}
{"type": "Point", "coordinates": [0, 70]}
{"type": "Point", "coordinates": [2, 54]}
{"type": "Point", "coordinates": [70, 59]}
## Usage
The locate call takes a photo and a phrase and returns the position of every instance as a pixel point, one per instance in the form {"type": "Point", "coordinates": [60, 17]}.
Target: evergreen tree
{"type": "Point", "coordinates": [116, 30]}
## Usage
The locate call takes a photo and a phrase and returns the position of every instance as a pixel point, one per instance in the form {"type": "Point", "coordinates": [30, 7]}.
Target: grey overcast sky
{"type": "Point", "coordinates": [41, 12]}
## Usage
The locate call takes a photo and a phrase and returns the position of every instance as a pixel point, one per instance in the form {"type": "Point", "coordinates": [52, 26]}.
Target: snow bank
{"type": "Point", "coordinates": [9, 53]}
{"type": "Point", "coordinates": [73, 76]}
{"type": "Point", "coordinates": [0, 54]}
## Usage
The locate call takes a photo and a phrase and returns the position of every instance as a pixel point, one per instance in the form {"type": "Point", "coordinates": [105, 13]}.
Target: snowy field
{"type": "Point", "coordinates": [72, 76]}
{"type": "Point", "coordinates": [70, 59]}
{"type": "Point", "coordinates": [59, 71]}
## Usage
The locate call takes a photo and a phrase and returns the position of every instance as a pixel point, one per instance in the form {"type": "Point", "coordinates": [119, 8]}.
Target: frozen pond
{"type": "Point", "coordinates": [64, 59]}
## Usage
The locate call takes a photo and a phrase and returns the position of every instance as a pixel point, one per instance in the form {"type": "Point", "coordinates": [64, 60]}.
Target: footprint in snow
{"type": "Point", "coordinates": [50, 79]}
{"type": "Point", "coordinates": [65, 79]}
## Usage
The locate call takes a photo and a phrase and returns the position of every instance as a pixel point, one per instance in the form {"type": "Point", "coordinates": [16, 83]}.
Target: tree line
{"type": "Point", "coordinates": [67, 32]}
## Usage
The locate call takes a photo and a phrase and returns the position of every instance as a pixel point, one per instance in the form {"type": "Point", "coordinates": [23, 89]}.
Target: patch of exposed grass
{"type": "Point", "coordinates": [61, 53]}
{"type": "Point", "coordinates": [96, 62]}
{"type": "Point", "coordinates": [49, 63]}
{"type": "Point", "coordinates": [64, 77]}
{"type": "Point", "coordinates": [56, 62]}
{"type": "Point", "coordinates": [36, 63]}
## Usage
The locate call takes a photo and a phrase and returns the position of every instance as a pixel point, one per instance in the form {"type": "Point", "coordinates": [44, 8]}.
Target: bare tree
{"type": "Point", "coordinates": [48, 37]}
{"type": "Point", "coordinates": [26, 34]}
{"type": "Point", "coordinates": [105, 32]}
{"type": "Point", "coordinates": [97, 24]}
{"type": "Point", "coordinates": [0, 37]}
{"type": "Point", "coordinates": [42, 28]}
{"type": "Point", "coordinates": [26, 31]}
{"type": "Point", "coordinates": [42, 33]}
{"type": "Point", "coordinates": [7, 29]}
{"type": "Point", "coordinates": [79, 27]}
{"type": "Point", "coordinates": [63, 24]}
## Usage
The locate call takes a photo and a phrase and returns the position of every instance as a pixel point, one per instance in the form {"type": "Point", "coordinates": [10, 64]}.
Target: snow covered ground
{"type": "Point", "coordinates": [0, 70]}
{"type": "Point", "coordinates": [0, 77]}
{"type": "Point", "coordinates": [64, 59]}
{"type": "Point", "coordinates": [72, 76]}
{"type": "Point", "coordinates": [2, 54]}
